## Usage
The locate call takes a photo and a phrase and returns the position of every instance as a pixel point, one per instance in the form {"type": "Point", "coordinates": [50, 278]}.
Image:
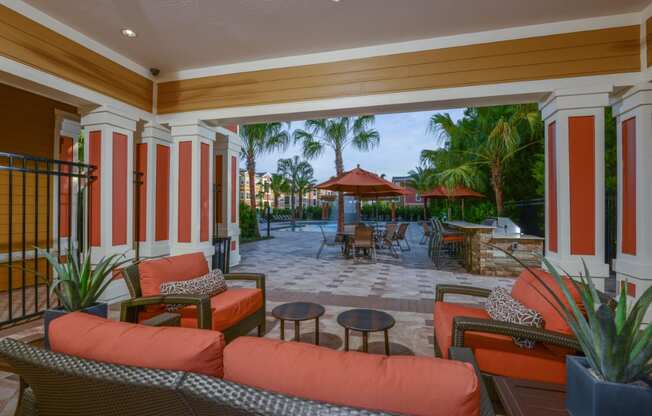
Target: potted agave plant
{"type": "Point", "coordinates": [613, 376]}
{"type": "Point", "coordinates": [77, 285]}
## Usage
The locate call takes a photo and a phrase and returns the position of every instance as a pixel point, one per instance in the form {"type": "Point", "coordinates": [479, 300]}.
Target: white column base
{"type": "Point", "coordinates": [574, 267]}
{"type": "Point", "coordinates": [187, 248]}
{"type": "Point", "coordinates": [154, 249]}
{"type": "Point", "coordinates": [116, 292]}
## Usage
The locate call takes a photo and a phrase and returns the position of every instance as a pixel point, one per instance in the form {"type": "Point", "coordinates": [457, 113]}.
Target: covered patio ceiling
{"type": "Point", "coordinates": [175, 35]}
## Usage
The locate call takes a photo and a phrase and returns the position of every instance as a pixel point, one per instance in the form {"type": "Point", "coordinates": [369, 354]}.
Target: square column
{"type": "Point", "coordinates": [575, 208]}
{"type": "Point", "coordinates": [153, 160]}
{"type": "Point", "coordinates": [227, 192]}
{"type": "Point", "coordinates": [66, 142]}
{"type": "Point", "coordinates": [191, 189]}
{"type": "Point", "coordinates": [633, 263]}
{"type": "Point", "coordinates": [109, 144]}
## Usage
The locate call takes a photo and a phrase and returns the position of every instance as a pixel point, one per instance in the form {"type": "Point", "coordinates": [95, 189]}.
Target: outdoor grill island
{"type": "Point", "coordinates": [481, 258]}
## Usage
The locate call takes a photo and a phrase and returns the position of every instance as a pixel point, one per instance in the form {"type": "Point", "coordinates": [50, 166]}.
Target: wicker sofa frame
{"type": "Point", "coordinates": [59, 384]}
{"type": "Point", "coordinates": [129, 309]}
{"type": "Point", "coordinates": [462, 324]}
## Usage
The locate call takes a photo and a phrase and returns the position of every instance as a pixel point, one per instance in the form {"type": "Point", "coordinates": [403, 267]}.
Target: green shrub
{"type": "Point", "coordinates": [248, 222]}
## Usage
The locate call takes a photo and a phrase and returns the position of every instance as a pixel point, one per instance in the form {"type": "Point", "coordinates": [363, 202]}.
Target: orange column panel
{"type": "Point", "coordinates": [185, 191]}
{"type": "Point", "coordinates": [95, 158]}
{"type": "Point", "coordinates": [204, 191]}
{"type": "Point", "coordinates": [141, 166]}
{"type": "Point", "coordinates": [162, 192]}
{"type": "Point", "coordinates": [552, 188]}
{"type": "Point", "coordinates": [628, 244]}
{"type": "Point", "coordinates": [120, 178]}
{"type": "Point", "coordinates": [581, 154]}
{"type": "Point", "coordinates": [234, 190]}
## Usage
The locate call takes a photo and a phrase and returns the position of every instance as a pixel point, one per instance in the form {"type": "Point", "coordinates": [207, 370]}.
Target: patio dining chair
{"type": "Point", "coordinates": [364, 240]}
{"type": "Point", "coordinates": [401, 236]}
{"type": "Point", "coordinates": [327, 241]}
{"type": "Point", "coordinates": [389, 238]}
{"type": "Point", "coordinates": [426, 232]}
{"type": "Point", "coordinates": [444, 240]}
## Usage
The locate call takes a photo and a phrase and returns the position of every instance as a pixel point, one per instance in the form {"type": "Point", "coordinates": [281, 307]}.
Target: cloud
{"type": "Point", "coordinates": [402, 137]}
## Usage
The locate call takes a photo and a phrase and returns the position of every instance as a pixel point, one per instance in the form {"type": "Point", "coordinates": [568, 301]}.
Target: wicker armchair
{"type": "Point", "coordinates": [457, 325]}
{"type": "Point", "coordinates": [131, 308]}
{"type": "Point", "coordinates": [463, 324]}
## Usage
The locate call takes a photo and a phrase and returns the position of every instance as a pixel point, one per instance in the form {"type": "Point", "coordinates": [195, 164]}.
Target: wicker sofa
{"type": "Point", "coordinates": [235, 312]}
{"type": "Point", "coordinates": [491, 341]}
{"type": "Point", "coordinates": [98, 367]}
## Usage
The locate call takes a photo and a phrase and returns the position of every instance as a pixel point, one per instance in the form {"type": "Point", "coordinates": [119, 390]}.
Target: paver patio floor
{"type": "Point", "coordinates": [403, 287]}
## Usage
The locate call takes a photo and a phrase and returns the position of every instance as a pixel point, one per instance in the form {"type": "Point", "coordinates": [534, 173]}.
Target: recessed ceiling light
{"type": "Point", "coordinates": [128, 33]}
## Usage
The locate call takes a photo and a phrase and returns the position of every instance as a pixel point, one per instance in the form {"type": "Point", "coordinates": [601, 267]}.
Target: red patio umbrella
{"type": "Point", "coordinates": [360, 183]}
{"type": "Point", "coordinates": [459, 192]}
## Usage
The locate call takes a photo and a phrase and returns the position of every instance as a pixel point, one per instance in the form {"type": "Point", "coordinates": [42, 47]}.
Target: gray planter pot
{"type": "Point", "coordinates": [99, 309]}
{"type": "Point", "coordinates": [588, 396]}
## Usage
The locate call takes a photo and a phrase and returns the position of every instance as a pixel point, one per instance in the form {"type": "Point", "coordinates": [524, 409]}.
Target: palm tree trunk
{"type": "Point", "coordinates": [300, 205]}
{"type": "Point", "coordinates": [292, 202]}
{"type": "Point", "coordinates": [275, 200]}
{"type": "Point", "coordinates": [251, 170]}
{"type": "Point", "coordinates": [496, 183]}
{"type": "Point", "coordinates": [339, 169]}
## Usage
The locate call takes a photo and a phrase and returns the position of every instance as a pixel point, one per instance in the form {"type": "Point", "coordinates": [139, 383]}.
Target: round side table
{"type": "Point", "coordinates": [297, 312]}
{"type": "Point", "coordinates": [365, 321]}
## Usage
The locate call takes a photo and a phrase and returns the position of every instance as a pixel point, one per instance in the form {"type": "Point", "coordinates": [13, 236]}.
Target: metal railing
{"type": "Point", "coordinates": [44, 204]}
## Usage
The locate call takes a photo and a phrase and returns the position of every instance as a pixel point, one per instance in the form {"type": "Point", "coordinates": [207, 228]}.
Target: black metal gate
{"type": "Point", "coordinates": [44, 204]}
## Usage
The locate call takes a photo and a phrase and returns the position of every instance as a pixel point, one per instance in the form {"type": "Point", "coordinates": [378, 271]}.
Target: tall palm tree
{"type": "Point", "coordinates": [486, 137]}
{"type": "Point", "coordinates": [422, 180]}
{"type": "Point", "coordinates": [258, 139]}
{"type": "Point", "coordinates": [336, 134]}
{"type": "Point", "coordinates": [304, 184]}
{"type": "Point", "coordinates": [278, 186]}
{"type": "Point", "coordinates": [293, 169]}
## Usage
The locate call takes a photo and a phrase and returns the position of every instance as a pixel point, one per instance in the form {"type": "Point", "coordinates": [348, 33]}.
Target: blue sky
{"type": "Point", "coordinates": [402, 137]}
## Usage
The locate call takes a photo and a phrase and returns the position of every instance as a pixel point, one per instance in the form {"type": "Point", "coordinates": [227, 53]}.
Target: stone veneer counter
{"type": "Point", "coordinates": [481, 258]}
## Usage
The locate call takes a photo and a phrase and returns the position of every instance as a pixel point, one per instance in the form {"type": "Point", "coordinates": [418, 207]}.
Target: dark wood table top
{"type": "Point", "coordinates": [366, 320]}
{"type": "Point", "coordinates": [531, 398]}
{"type": "Point", "coordinates": [298, 311]}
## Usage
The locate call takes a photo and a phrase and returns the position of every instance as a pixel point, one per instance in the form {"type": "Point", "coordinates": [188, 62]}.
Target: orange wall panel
{"type": "Point", "coordinates": [204, 191]}
{"type": "Point", "coordinates": [581, 154]}
{"type": "Point", "coordinates": [628, 245]}
{"type": "Point", "coordinates": [552, 188]}
{"type": "Point", "coordinates": [162, 192]}
{"type": "Point", "coordinates": [119, 188]}
{"type": "Point", "coordinates": [65, 153]}
{"type": "Point", "coordinates": [185, 191]}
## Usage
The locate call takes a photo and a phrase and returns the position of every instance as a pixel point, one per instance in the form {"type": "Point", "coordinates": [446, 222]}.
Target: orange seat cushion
{"type": "Point", "coordinates": [497, 354]}
{"type": "Point", "coordinates": [168, 348]}
{"type": "Point", "coordinates": [453, 238]}
{"type": "Point", "coordinates": [400, 384]}
{"type": "Point", "coordinates": [228, 308]}
{"type": "Point", "coordinates": [170, 269]}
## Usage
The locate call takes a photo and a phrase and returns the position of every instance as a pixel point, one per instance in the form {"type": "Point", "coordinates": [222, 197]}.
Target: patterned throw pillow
{"type": "Point", "coordinates": [502, 307]}
{"type": "Point", "coordinates": [209, 284]}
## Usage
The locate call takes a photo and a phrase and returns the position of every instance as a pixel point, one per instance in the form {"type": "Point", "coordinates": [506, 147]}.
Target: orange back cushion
{"type": "Point", "coordinates": [531, 292]}
{"type": "Point", "coordinates": [400, 384]}
{"type": "Point", "coordinates": [170, 269]}
{"type": "Point", "coordinates": [168, 348]}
